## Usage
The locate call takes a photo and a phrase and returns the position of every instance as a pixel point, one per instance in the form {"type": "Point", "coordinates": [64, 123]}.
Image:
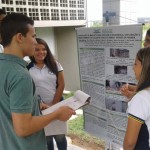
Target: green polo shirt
{"type": "Point", "coordinates": [17, 95]}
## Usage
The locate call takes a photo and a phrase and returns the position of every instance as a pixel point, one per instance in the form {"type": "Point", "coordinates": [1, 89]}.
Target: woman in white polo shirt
{"type": "Point", "coordinates": [48, 77]}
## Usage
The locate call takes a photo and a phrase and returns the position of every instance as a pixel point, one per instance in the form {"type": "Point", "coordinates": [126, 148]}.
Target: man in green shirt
{"type": "Point", "coordinates": [21, 126]}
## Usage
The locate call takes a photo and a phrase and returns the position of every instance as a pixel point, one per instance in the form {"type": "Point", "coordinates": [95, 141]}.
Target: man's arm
{"type": "Point", "coordinates": [26, 124]}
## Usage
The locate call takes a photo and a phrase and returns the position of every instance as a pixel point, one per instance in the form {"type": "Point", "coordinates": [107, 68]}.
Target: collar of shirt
{"type": "Point", "coordinates": [39, 67]}
{"type": "Point", "coordinates": [13, 58]}
{"type": "Point", "coordinates": [1, 48]}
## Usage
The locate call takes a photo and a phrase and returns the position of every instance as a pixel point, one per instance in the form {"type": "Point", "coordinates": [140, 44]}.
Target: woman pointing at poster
{"type": "Point", "coordinates": [129, 90]}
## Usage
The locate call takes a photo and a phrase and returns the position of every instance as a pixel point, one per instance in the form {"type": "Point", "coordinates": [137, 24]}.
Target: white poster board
{"type": "Point", "coordinates": [106, 58]}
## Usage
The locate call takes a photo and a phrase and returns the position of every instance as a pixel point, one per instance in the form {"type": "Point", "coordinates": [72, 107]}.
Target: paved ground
{"type": "Point", "coordinates": [69, 142]}
{"type": "Point", "coordinates": [71, 146]}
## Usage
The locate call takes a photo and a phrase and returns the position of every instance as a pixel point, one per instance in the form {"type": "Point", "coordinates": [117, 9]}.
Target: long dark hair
{"type": "Point", "coordinates": [49, 60]}
{"type": "Point", "coordinates": [143, 56]}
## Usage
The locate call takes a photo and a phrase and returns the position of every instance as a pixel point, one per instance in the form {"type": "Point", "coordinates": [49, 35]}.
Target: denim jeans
{"type": "Point", "coordinates": [61, 142]}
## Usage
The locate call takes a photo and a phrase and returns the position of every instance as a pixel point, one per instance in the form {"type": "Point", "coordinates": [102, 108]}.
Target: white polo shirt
{"type": "Point", "coordinates": [45, 82]}
{"type": "Point", "coordinates": [1, 48]}
{"type": "Point", "coordinates": [139, 110]}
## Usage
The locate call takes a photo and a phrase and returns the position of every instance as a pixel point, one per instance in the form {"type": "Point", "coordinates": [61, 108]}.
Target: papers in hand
{"type": "Point", "coordinates": [78, 100]}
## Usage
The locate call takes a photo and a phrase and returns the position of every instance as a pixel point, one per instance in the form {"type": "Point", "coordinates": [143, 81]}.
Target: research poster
{"type": "Point", "coordinates": [106, 58]}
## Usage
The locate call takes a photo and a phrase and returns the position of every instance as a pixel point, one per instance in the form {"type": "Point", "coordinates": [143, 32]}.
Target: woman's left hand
{"type": "Point", "coordinates": [43, 106]}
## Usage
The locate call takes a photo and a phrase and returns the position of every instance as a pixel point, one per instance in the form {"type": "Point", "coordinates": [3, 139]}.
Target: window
{"type": "Point", "coordinates": [73, 15]}
{"type": "Point", "coordinates": [80, 14]}
{"type": "Point", "coordinates": [22, 10]}
{"type": "Point", "coordinates": [7, 1]}
{"type": "Point", "coordinates": [72, 3]}
{"type": "Point", "coordinates": [8, 10]}
{"type": "Point", "coordinates": [63, 3]}
{"type": "Point", "coordinates": [33, 2]}
{"type": "Point", "coordinates": [44, 3]}
{"type": "Point", "coordinates": [80, 3]}
{"type": "Point", "coordinates": [33, 13]}
{"type": "Point", "coordinates": [54, 3]}
{"type": "Point", "coordinates": [54, 14]}
{"type": "Point", "coordinates": [64, 14]}
{"type": "Point", "coordinates": [20, 2]}
{"type": "Point", "coordinates": [45, 14]}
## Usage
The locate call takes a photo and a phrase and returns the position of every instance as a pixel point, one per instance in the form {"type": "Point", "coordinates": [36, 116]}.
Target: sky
{"type": "Point", "coordinates": [143, 7]}
{"type": "Point", "coordinates": [94, 9]}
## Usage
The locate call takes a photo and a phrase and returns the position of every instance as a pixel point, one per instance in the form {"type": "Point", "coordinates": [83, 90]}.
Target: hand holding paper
{"type": "Point", "coordinates": [78, 100]}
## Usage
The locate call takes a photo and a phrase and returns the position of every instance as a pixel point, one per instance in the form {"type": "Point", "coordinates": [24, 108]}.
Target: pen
{"type": "Point", "coordinates": [39, 99]}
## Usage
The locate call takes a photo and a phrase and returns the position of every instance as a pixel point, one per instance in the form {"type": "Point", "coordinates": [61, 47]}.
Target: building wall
{"type": "Point", "coordinates": [68, 56]}
{"type": "Point", "coordinates": [47, 33]}
{"type": "Point", "coordinates": [49, 13]}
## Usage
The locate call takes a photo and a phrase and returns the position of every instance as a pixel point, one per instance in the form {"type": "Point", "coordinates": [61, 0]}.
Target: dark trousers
{"type": "Point", "coordinates": [61, 142]}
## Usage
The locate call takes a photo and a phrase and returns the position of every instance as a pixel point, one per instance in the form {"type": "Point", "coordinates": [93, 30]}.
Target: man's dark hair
{"type": "Point", "coordinates": [12, 24]}
{"type": "Point", "coordinates": [2, 12]}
